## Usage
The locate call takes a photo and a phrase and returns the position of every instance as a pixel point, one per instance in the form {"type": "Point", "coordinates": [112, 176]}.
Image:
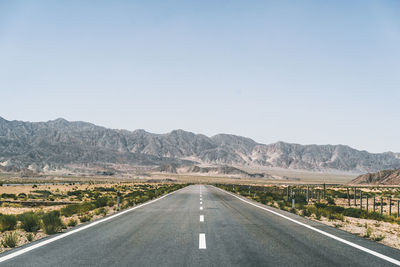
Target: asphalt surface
{"type": "Point", "coordinates": [167, 231]}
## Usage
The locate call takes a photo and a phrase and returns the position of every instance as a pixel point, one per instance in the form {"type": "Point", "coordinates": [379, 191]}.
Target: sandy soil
{"type": "Point", "coordinates": [390, 231]}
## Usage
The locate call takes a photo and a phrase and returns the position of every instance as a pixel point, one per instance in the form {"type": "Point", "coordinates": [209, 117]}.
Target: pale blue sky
{"type": "Point", "coordinates": [324, 72]}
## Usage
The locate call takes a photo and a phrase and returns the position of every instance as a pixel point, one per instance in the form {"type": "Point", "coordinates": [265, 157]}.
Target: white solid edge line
{"type": "Point", "coordinates": [377, 254]}
{"type": "Point", "coordinates": [48, 241]}
{"type": "Point", "coordinates": [201, 218]}
{"type": "Point", "coordinates": [202, 241]}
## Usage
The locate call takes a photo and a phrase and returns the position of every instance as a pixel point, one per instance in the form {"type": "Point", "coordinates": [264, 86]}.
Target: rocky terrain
{"type": "Point", "coordinates": [385, 177]}
{"type": "Point", "coordinates": [58, 143]}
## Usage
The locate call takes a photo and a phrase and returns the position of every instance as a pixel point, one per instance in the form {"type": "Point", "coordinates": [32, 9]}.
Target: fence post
{"type": "Point", "coordinates": [360, 199]}
{"type": "Point", "coordinates": [324, 193]}
{"type": "Point", "coordinates": [355, 190]}
{"type": "Point", "coordinates": [381, 205]}
{"type": "Point", "coordinates": [118, 197]}
{"type": "Point", "coordinates": [390, 206]}
{"type": "Point", "coordinates": [348, 196]}
{"type": "Point", "coordinates": [293, 200]}
{"type": "Point", "coordinates": [287, 193]}
{"type": "Point", "coordinates": [398, 208]}
{"type": "Point", "coordinates": [367, 203]}
{"type": "Point", "coordinates": [373, 203]}
{"type": "Point", "coordinates": [308, 194]}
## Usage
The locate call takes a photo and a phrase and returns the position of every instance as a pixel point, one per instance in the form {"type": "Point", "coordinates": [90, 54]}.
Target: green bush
{"type": "Point", "coordinates": [378, 238]}
{"type": "Point", "coordinates": [10, 240]}
{"type": "Point", "coordinates": [306, 212]}
{"type": "Point", "coordinates": [374, 216]}
{"type": "Point", "coordinates": [85, 218]}
{"type": "Point", "coordinates": [42, 193]}
{"type": "Point", "coordinates": [368, 232]}
{"type": "Point", "coordinates": [105, 189]}
{"type": "Point", "coordinates": [5, 195]}
{"type": "Point", "coordinates": [77, 193]}
{"type": "Point", "coordinates": [7, 222]}
{"type": "Point", "coordinates": [101, 211]}
{"type": "Point", "coordinates": [352, 212]}
{"type": "Point", "coordinates": [335, 209]}
{"type": "Point", "coordinates": [330, 200]}
{"type": "Point", "coordinates": [320, 205]}
{"type": "Point", "coordinates": [101, 202]}
{"type": "Point", "coordinates": [30, 222]}
{"type": "Point", "coordinates": [52, 222]}
{"type": "Point", "coordinates": [30, 237]}
{"type": "Point", "coordinates": [72, 222]}
{"type": "Point", "coordinates": [22, 195]}
{"type": "Point", "coordinates": [281, 204]}
{"type": "Point", "coordinates": [70, 210]}
{"type": "Point", "coordinates": [318, 215]}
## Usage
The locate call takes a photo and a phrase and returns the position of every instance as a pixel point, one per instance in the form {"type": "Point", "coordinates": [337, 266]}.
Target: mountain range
{"type": "Point", "coordinates": [385, 177]}
{"type": "Point", "coordinates": [57, 143]}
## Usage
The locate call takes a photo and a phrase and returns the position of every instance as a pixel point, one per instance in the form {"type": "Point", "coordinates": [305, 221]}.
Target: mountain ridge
{"type": "Point", "coordinates": [60, 142]}
{"type": "Point", "coordinates": [384, 177]}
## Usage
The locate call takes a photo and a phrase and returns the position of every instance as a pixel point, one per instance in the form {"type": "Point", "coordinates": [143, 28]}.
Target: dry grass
{"type": "Point", "coordinates": [22, 238]}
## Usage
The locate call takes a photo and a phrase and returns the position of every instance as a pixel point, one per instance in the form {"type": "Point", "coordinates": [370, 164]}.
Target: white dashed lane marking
{"type": "Point", "coordinates": [202, 241]}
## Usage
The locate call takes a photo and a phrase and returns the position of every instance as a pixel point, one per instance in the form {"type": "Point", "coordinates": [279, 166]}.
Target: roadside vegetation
{"type": "Point", "coordinates": [336, 206]}
{"type": "Point", "coordinates": [38, 212]}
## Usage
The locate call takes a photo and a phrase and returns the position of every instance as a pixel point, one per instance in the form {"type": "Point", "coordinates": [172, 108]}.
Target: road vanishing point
{"type": "Point", "coordinates": [201, 225]}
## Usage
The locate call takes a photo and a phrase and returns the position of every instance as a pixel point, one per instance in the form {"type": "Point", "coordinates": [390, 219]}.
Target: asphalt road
{"type": "Point", "coordinates": [170, 232]}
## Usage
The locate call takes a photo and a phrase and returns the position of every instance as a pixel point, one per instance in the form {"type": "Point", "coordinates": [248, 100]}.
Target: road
{"type": "Point", "coordinates": [201, 225]}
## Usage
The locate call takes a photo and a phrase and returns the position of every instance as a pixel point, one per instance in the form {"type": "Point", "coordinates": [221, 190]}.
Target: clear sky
{"type": "Point", "coordinates": [309, 72]}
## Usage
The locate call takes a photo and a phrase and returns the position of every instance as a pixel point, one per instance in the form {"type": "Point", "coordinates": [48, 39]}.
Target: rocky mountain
{"type": "Point", "coordinates": [385, 177]}
{"type": "Point", "coordinates": [39, 145]}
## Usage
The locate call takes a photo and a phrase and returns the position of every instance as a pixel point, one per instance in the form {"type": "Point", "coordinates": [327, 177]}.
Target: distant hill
{"type": "Point", "coordinates": [385, 177]}
{"type": "Point", "coordinates": [47, 145]}
{"type": "Point", "coordinates": [224, 170]}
